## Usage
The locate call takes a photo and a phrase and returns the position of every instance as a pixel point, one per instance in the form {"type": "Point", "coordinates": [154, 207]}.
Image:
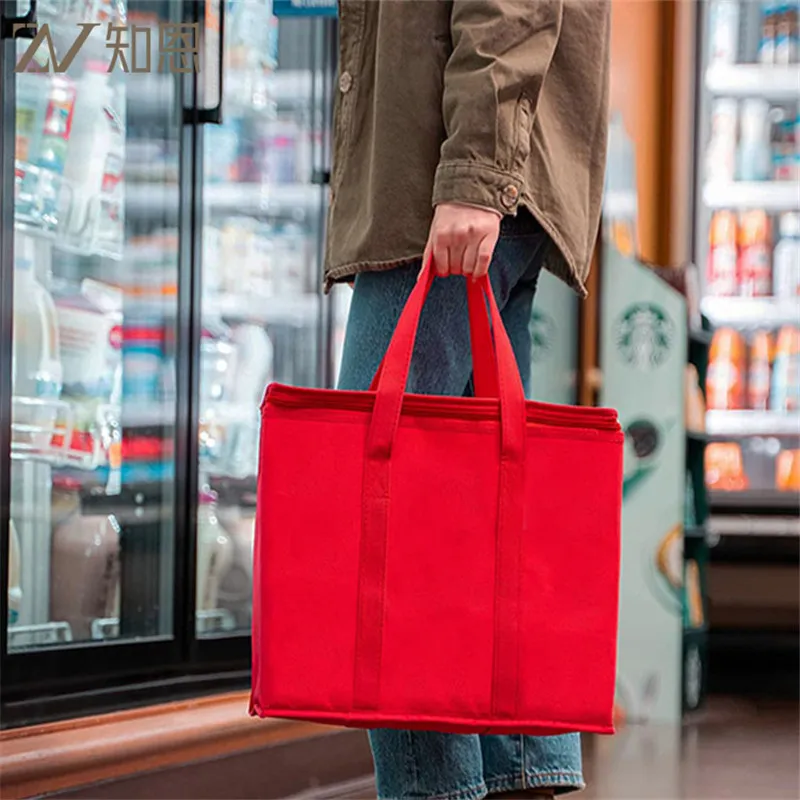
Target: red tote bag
{"type": "Point", "coordinates": [437, 563]}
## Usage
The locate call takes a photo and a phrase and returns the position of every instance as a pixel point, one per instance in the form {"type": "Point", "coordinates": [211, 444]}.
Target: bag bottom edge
{"type": "Point", "coordinates": [440, 724]}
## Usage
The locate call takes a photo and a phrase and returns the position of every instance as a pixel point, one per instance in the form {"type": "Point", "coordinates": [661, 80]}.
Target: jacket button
{"type": "Point", "coordinates": [345, 82]}
{"type": "Point", "coordinates": [510, 196]}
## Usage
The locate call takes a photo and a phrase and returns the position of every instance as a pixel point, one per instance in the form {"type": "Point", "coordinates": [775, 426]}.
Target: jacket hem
{"type": "Point", "coordinates": [343, 272]}
{"type": "Point", "coordinates": [556, 261]}
{"type": "Point", "coordinates": [559, 263]}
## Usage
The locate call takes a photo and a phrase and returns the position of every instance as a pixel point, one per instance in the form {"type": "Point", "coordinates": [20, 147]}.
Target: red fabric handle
{"type": "Point", "coordinates": [376, 498]}
{"type": "Point", "coordinates": [505, 382]}
{"type": "Point", "coordinates": [483, 369]}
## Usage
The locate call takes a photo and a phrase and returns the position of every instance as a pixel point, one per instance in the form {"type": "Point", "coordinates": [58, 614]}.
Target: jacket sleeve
{"type": "Point", "coordinates": [502, 50]}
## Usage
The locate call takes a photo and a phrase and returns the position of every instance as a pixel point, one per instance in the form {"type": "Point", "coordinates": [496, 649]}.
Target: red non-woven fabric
{"type": "Point", "coordinates": [447, 564]}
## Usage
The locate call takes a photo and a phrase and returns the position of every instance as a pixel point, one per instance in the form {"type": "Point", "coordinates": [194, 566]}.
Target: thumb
{"type": "Point", "coordinates": [425, 256]}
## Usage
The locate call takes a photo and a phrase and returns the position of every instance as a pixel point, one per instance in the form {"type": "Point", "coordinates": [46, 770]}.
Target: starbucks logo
{"type": "Point", "coordinates": [543, 330]}
{"type": "Point", "coordinates": [643, 335]}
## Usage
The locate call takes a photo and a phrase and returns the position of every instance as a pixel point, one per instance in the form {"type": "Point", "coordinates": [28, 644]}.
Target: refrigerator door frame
{"type": "Point", "coordinates": [82, 678]}
{"type": "Point", "coordinates": [230, 652]}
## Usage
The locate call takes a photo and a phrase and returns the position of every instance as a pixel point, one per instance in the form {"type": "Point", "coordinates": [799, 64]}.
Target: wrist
{"type": "Point", "coordinates": [477, 206]}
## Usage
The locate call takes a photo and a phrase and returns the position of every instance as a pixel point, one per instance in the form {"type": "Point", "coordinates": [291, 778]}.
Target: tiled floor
{"type": "Point", "coordinates": [733, 750]}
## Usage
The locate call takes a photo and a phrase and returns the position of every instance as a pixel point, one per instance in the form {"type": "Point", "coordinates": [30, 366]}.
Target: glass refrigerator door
{"type": "Point", "coordinates": [94, 307]}
{"type": "Point", "coordinates": [262, 310]}
{"type": "Point", "coordinates": [747, 242]}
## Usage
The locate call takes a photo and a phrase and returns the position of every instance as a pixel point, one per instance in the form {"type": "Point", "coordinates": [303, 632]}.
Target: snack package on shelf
{"type": "Point", "coordinates": [724, 467]}
{"type": "Point", "coordinates": [787, 471]}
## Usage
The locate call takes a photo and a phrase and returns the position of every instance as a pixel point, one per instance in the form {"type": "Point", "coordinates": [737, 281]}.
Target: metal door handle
{"type": "Point", "coordinates": [213, 114]}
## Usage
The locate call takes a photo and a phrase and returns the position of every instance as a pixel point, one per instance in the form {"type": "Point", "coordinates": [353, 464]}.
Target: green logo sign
{"type": "Point", "coordinates": [643, 335]}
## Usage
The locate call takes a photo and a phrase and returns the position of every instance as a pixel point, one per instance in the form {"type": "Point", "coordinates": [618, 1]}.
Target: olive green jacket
{"type": "Point", "coordinates": [494, 103]}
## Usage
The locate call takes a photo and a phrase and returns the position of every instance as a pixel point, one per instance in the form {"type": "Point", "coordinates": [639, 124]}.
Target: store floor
{"type": "Point", "coordinates": [734, 749]}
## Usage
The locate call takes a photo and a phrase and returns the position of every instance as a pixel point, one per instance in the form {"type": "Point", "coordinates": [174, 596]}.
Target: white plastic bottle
{"type": "Point", "coordinates": [786, 258]}
{"type": "Point", "coordinates": [109, 232]}
{"type": "Point", "coordinates": [214, 552]}
{"type": "Point", "coordinates": [36, 372]}
{"type": "Point", "coordinates": [724, 26]}
{"type": "Point", "coordinates": [14, 571]}
{"type": "Point", "coordinates": [720, 163]}
{"type": "Point", "coordinates": [36, 369]}
{"type": "Point", "coordinates": [755, 155]}
{"type": "Point", "coordinates": [88, 146]}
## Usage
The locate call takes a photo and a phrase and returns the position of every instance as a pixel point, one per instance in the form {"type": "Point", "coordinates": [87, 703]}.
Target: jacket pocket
{"type": "Point", "coordinates": [523, 127]}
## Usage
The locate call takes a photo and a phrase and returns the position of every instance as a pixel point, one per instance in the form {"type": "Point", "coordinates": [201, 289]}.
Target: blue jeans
{"type": "Point", "coordinates": [423, 764]}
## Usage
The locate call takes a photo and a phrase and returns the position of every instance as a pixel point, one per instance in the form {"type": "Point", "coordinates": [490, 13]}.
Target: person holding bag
{"type": "Point", "coordinates": [469, 140]}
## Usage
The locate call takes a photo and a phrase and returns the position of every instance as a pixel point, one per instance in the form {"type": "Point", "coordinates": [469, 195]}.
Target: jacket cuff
{"type": "Point", "coordinates": [477, 185]}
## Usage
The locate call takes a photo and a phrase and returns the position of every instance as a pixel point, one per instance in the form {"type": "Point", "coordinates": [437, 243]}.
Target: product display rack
{"type": "Point", "coordinates": [747, 173]}
{"type": "Point", "coordinates": [737, 65]}
{"type": "Point", "coordinates": [213, 266]}
{"type": "Point", "coordinates": [696, 542]}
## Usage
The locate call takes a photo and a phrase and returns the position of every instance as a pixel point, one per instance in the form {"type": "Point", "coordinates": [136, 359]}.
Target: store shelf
{"type": "Point", "coordinates": [696, 532]}
{"type": "Point", "coordinates": [754, 80]}
{"type": "Point", "coordinates": [294, 87]}
{"type": "Point", "coordinates": [158, 415]}
{"type": "Point", "coordinates": [755, 500]}
{"type": "Point", "coordinates": [146, 200]}
{"type": "Point", "coordinates": [751, 311]}
{"type": "Point", "coordinates": [752, 423]}
{"type": "Point", "coordinates": [147, 414]}
{"type": "Point", "coordinates": [256, 197]}
{"type": "Point", "coordinates": [256, 308]}
{"type": "Point", "coordinates": [744, 525]}
{"type": "Point", "coordinates": [700, 336]}
{"type": "Point", "coordinates": [156, 93]}
{"type": "Point", "coordinates": [697, 437]}
{"type": "Point", "coordinates": [772, 196]}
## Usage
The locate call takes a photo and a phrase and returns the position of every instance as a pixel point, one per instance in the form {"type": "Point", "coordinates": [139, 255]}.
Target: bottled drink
{"type": "Point", "coordinates": [758, 373]}
{"type": "Point", "coordinates": [726, 371]}
{"type": "Point", "coordinates": [754, 268]}
{"type": "Point", "coordinates": [786, 258]}
{"type": "Point", "coordinates": [724, 16]}
{"type": "Point", "coordinates": [721, 272]}
{"type": "Point", "coordinates": [786, 374]}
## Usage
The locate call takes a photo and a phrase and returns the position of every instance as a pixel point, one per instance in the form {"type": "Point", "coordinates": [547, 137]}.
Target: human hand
{"type": "Point", "coordinates": [462, 239]}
